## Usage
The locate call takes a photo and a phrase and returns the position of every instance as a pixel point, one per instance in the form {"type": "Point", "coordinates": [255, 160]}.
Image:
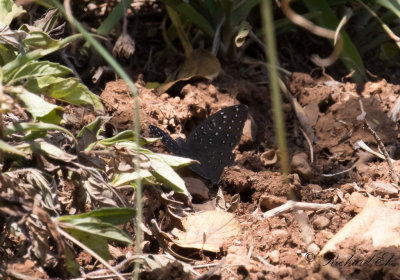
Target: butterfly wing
{"type": "Point", "coordinates": [213, 140]}
{"type": "Point", "coordinates": [172, 145]}
{"type": "Point", "coordinates": [212, 164]}
{"type": "Point", "coordinates": [219, 131]}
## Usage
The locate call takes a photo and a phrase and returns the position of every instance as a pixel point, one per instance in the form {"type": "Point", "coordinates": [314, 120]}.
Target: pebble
{"type": "Point", "coordinates": [301, 166]}
{"type": "Point", "coordinates": [321, 222]}
{"type": "Point", "coordinates": [381, 188]}
{"type": "Point", "coordinates": [270, 201]}
{"type": "Point", "coordinates": [274, 256]}
{"type": "Point", "coordinates": [357, 199]}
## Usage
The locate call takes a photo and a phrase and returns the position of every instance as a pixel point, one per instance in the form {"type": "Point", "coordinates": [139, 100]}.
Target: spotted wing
{"type": "Point", "coordinates": [213, 140]}
{"type": "Point", "coordinates": [167, 140]}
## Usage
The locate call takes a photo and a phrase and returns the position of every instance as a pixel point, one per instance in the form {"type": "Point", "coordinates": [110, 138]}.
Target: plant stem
{"type": "Point", "coordinates": [276, 98]}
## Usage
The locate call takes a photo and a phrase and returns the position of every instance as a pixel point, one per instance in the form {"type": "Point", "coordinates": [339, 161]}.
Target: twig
{"type": "Point", "coordinates": [291, 206]}
{"type": "Point", "coordinates": [309, 144]}
{"type": "Point", "coordinates": [212, 271]}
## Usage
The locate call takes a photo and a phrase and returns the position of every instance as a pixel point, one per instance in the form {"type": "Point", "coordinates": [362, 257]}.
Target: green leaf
{"type": "Point", "coordinates": [34, 127]}
{"type": "Point", "coordinates": [8, 11]}
{"type": "Point", "coordinates": [69, 90]}
{"type": "Point", "coordinates": [114, 216]}
{"type": "Point", "coordinates": [23, 59]}
{"type": "Point", "coordinates": [191, 14]}
{"type": "Point", "coordinates": [392, 5]}
{"type": "Point", "coordinates": [87, 237]}
{"type": "Point", "coordinates": [241, 12]}
{"type": "Point", "coordinates": [119, 179]}
{"type": "Point", "coordinates": [40, 40]}
{"type": "Point", "coordinates": [94, 127]}
{"type": "Point", "coordinates": [37, 69]}
{"type": "Point", "coordinates": [388, 51]}
{"type": "Point", "coordinates": [349, 56]}
{"type": "Point", "coordinates": [47, 149]}
{"type": "Point", "coordinates": [174, 161]}
{"type": "Point", "coordinates": [7, 54]}
{"type": "Point", "coordinates": [93, 232]}
{"type": "Point", "coordinates": [166, 175]}
{"type": "Point", "coordinates": [127, 136]}
{"type": "Point", "coordinates": [41, 109]}
{"type": "Point", "coordinates": [10, 149]}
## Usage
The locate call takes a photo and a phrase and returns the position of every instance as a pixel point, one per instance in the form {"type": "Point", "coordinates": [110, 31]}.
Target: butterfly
{"type": "Point", "coordinates": [211, 142]}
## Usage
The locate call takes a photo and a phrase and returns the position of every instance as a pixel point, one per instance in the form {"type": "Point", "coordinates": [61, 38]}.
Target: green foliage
{"type": "Point", "coordinates": [95, 229]}
{"type": "Point", "coordinates": [25, 80]}
{"type": "Point", "coordinates": [221, 21]}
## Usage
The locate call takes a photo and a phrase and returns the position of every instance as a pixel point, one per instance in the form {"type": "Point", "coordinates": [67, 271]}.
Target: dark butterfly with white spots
{"type": "Point", "coordinates": [211, 142]}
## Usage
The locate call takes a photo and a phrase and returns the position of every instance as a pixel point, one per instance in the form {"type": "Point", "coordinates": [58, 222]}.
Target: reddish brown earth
{"type": "Point", "coordinates": [332, 109]}
{"type": "Point", "coordinates": [284, 246]}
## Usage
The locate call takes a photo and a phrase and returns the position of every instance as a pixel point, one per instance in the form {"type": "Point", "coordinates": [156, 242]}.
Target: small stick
{"type": "Point", "coordinates": [291, 206]}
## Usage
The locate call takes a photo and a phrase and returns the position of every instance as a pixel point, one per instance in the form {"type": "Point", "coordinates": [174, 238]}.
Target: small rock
{"type": "Point", "coordinates": [196, 188]}
{"type": "Point", "coordinates": [315, 188]}
{"type": "Point", "coordinates": [300, 165]}
{"type": "Point", "coordinates": [382, 188]}
{"type": "Point", "coordinates": [249, 132]}
{"type": "Point", "coordinates": [270, 201]}
{"type": "Point", "coordinates": [347, 188]}
{"type": "Point", "coordinates": [279, 234]}
{"type": "Point", "coordinates": [274, 256]}
{"type": "Point", "coordinates": [313, 248]}
{"type": "Point", "coordinates": [357, 199]}
{"type": "Point", "coordinates": [237, 255]}
{"type": "Point", "coordinates": [177, 99]}
{"type": "Point", "coordinates": [321, 222]}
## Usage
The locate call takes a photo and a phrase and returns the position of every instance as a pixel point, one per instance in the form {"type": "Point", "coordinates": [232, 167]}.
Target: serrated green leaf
{"type": "Point", "coordinates": [69, 90]}
{"type": "Point", "coordinates": [35, 69]}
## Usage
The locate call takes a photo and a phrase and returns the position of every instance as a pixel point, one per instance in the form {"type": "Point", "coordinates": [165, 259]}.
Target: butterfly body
{"type": "Point", "coordinates": [211, 142]}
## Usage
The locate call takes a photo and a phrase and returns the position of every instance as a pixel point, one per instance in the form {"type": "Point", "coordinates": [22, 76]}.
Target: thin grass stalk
{"type": "Point", "coordinates": [276, 98]}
